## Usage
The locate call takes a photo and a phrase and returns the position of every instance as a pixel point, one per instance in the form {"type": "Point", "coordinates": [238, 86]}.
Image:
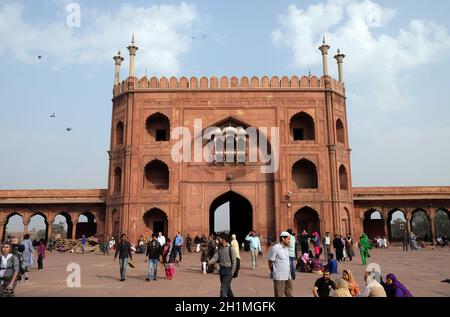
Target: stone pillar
{"type": "Point", "coordinates": [26, 222]}
{"type": "Point", "coordinates": [2, 230]}
{"type": "Point", "coordinates": [132, 49]}
{"type": "Point", "coordinates": [340, 60]}
{"type": "Point", "coordinates": [324, 49]}
{"type": "Point", "coordinates": [432, 216]}
{"type": "Point", "coordinates": [74, 229]}
{"type": "Point", "coordinates": [49, 230]}
{"type": "Point", "coordinates": [118, 59]}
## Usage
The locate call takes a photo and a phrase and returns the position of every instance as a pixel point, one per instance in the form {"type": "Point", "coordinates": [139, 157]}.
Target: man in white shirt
{"type": "Point", "coordinates": [326, 246]}
{"type": "Point", "coordinates": [161, 239]}
{"type": "Point", "coordinates": [279, 266]}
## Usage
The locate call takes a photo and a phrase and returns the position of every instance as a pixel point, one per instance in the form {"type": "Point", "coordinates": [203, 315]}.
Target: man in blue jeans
{"type": "Point", "coordinates": [226, 256]}
{"type": "Point", "coordinates": [177, 244]}
{"type": "Point", "coordinates": [123, 250]}
{"type": "Point", "coordinates": [152, 256]}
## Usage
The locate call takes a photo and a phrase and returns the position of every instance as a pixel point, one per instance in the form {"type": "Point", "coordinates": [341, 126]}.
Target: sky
{"type": "Point", "coordinates": [396, 76]}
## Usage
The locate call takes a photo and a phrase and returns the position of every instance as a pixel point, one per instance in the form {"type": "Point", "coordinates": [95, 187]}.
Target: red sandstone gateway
{"type": "Point", "coordinates": [311, 189]}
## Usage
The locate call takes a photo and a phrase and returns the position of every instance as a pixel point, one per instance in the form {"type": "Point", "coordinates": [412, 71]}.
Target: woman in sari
{"type": "Point", "coordinates": [394, 288]}
{"type": "Point", "coordinates": [353, 287]}
{"type": "Point", "coordinates": [168, 259]}
{"type": "Point", "coordinates": [364, 247]}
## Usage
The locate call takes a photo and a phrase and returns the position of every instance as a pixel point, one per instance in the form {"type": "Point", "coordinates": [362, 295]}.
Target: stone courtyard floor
{"type": "Point", "coordinates": [422, 272]}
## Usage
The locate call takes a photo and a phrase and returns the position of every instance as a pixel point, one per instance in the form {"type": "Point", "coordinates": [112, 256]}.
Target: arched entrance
{"type": "Point", "coordinates": [442, 223]}
{"type": "Point", "coordinates": [86, 225]}
{"type": "Point", "coordinates": [373, 224]}
{"type": "Point", "coordinates": [421, 225]}
{"type": "Point", "coordinates": [13, 226]}
{"type": "Point", "coordinates": [307, 219]}
{"type": "Point", "coordinates": [397, 225]}
{"type": "Point", "coordinates": [38, 227]}
{"type": "Point", "coordinates": [62, 226]}
{"type": "Point", "coordinates": [156, 221]}
{"type": "Point", "coordinates": [231, 213]}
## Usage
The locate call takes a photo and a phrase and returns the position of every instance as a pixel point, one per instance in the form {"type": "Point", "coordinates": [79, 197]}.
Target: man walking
{"type": "Point", "coordinates": [279, 265]}
{"type": "Point", "coordinates": [326, 246]}
{"type": "Point", "coordinates": [152, 256]}
{"type": "Point", "coordinates": [226, 256]}
{"type": "Point", "coordinates": [123, 250]}
{"type": "Point", "coordinates": [255, 247]}
{"type": "Point", "coordinates": [405, 241]}
{"type": "Point", "coordinates": [161, 239]}
{"type": "Point", "coordinates": [291, 249]}
{"type": "Point", "coordinates": [177, 243]}
{"type": "Point", "coordinates": [83, 243]}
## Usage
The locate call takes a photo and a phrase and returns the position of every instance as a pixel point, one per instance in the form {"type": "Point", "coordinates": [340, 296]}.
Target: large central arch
{"type": "Point", "coordinates": [233, 213]}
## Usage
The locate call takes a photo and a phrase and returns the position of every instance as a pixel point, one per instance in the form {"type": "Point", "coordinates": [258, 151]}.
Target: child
{"type": "Point", "coordinates": [332, 265]}
{"type": "Point", "coordinates": [204, 259]}
{"type": "Point", "coordinates": [41, 254]}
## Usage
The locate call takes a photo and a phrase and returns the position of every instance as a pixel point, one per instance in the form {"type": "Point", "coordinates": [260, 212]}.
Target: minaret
{"type": "Point", "coordinates": [324, 49]}
{"type": "Point", "coordinates": [132, 49]}
{"type": "Point", "coordinates": [118, 59]}
{"type": "Point", "coordinates": [340, 60]}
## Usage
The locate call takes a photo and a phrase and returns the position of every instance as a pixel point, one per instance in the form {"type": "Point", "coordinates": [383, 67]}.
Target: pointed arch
{"type": "Point", "coordinates": [302, 127]}
{"type": "Point", "coordinates": [304, 174]}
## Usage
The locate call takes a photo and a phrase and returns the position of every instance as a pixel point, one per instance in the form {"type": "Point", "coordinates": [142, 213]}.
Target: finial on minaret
{"type": "Point", "coordinates": [118, 59]}
{"type": "Point", "coordinates": [132, 49]}
{"type": "Point", "coordinates": [340, 60]}
{"type": "Point", "coordinates": [309, 74]}
{"type": "Point", "coordinates": [324, 49]}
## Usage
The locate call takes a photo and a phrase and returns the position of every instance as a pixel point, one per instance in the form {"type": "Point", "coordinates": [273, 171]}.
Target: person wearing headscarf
{"type": "Point", "coordinates": [304, 263]}
{"type": "Point", "coordinates": [342, 289]}
{"type": "Point", "coordinates": [353, 287]}
{"type": "Point", "coordinates": [394, 288]}
{"type": "Point", "coordinates": [364, 247]}
{"type": "Point", "coordinates": [373, 288]}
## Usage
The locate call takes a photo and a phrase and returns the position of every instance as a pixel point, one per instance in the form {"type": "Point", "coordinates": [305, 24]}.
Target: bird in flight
{"type": "Point", "coordinates": [69, 129]}
{"type": "Point", "coordinates": [39, 57]}
{"type": "Point", "coordinates": [53, 115]}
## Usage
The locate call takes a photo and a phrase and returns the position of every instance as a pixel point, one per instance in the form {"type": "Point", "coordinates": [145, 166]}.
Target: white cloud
{"type": "Point", "coordinates": [163, 33]}
{"type": "Point", "coordinates": [377, 63]}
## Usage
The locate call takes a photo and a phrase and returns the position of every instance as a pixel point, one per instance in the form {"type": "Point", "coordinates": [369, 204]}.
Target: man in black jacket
{"type": "Point", "coordinates": [123, 250]}
{"type": "Point", "coordinates": [152, 256]}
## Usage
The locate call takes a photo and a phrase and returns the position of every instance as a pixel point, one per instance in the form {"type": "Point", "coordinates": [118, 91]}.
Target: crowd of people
{"type": "Point", "coordinates": [221, 252]}
{"type": "Point", "coordinates": [16, 260]}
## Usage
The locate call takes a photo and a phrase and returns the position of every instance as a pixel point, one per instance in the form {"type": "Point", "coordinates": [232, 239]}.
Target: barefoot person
{"type": "Point", "coordinates": [364, 247]}
{"type": "Point", "coordinates": [123, 250]}
{"type": "Point", "coordinates": [168, 259]}
{"type": "Point", "coordinates": [226, 256]}
{"type": "Point", "coordinates": [280, 267]}
{"type": "Point", "coordinates": [152, 257]}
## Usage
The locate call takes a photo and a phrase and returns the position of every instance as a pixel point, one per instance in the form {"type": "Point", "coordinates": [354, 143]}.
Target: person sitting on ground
{"type": "Point", "coordinates": [332, 264]}
{"type": "Point", "coordinates": [373, 288]}
{"type": "Point", "coordinates": [342, 289]}
{"type": "Point", "coordinates": [353, 287]}
{"type": "Point", "coordinates": [394, 288]}
{"type": "Point", "coordinates": [323, 285]}
{"type": "Point", "coordinates": [304, 263]}
{"type": "Point", "coordinates": [317, 266]}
